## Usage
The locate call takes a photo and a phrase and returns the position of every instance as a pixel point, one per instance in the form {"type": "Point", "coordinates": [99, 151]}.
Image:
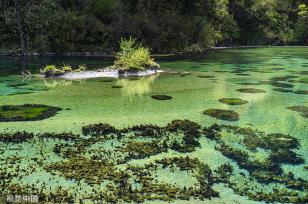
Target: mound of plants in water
{"type": "Point", "coordinates": [133, 57]}
{"type": "Point", "coordinates": [233, 101]}
{"type": "Point", "coordinates": [221, 114]}
{"type": "Point", "coordinates": [250, 90]}
{"type": "Point", "coordinates": [26, 112]}
{"type": "Point", "coordinates": [52, 70]}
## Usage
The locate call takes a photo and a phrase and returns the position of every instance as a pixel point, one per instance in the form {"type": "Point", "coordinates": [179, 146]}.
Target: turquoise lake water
{"type": "Point", "coordinates": [258, 99]}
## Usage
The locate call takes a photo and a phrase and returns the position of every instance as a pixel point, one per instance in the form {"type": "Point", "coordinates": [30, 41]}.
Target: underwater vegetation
{"type": "Point", "coordinates": [102, 162]}
{"type": "Point", "coordinates": [262, 171]}
{"type": "Point", "coordinates": [233, 101]}
{"type": "Point", "coordinates": [161, 97]}
{"type": "Point", "coordinates": [250, 90]}
{"type": "Point", "coordinates": [300, 92]}
{"type": "Point", "coordinates": [26, 112]}
{"type": "Point", "coordinates": [300, 109]}
{"type": "Point", "coordinates": [206, 76]}
{"type": "Point", "coordinates": [221, 114]}
{"type": "Point", "coordinates": [116, 87]}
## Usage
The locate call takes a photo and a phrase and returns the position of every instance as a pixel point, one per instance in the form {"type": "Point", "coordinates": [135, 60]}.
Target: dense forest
{"type": "Point", "coordinates": [166, 26]}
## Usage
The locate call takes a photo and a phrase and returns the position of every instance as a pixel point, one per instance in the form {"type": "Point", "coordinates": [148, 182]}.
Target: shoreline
{"type": "Point", "coordinates": [157, 55]}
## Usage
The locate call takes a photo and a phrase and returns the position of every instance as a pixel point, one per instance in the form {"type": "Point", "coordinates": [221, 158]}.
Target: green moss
{"type": "Point", "coordinates": [233, 101]}
{"type": "Point", "coordinates": [221, 114]}
{"type": "Point", "coordinates": [27, 112]}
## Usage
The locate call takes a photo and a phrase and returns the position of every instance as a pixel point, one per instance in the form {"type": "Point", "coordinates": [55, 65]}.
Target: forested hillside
{"type": "Point", "coordinates": [163, 25]}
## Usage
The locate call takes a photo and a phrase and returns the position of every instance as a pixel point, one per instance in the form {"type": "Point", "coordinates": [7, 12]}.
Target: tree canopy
{"type": "Point", "coordinates": [164, 25]}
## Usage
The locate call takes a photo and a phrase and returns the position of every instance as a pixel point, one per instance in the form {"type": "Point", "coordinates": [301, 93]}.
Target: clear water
{"type": "Point", "coordinates": [94, 101]}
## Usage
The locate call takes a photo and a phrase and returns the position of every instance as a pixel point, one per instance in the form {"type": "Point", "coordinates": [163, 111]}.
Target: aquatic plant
{"type": "Point", "coordinates": [206, 76]}
{"type": "Point", "coordinates": [221, 114]}
{"type": "Point", "coordinates": [61, 136]}
{"type": "Point", "coordinates": [26, 112]}
{"type": "Point", "coordinates": [161, 97]}
{"type": "Point", "coordinates": [15, 137]}
{"type": "Point", "coordinates": [116, 87]}
{"type": "Point", "coordinates": [233, 101]}
{"type": "Point", "coordinates": [147, 130]}
{"type": "Point", "coordinates": [133, 57]}
{"type": "Point", "coordinates": [300, 109]}
{"type": "Point", "coordinates": [141, 150]}
{"type": "Point", "coordinates": [250, 90]}
{"type": "Point", "coordinates": [98, 129]}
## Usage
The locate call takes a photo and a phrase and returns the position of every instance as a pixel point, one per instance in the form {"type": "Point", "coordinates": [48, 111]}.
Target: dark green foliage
{"type": "Point", "coordinates": [165, 26]}
{"type": "Point", "coordinates": [98, 129]}
{"type": "Point", "coordinates": [27, 112]}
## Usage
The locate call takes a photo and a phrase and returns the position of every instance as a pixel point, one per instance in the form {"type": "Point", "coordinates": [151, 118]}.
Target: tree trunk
{"type": "Point", "coordinates": [20, 28]}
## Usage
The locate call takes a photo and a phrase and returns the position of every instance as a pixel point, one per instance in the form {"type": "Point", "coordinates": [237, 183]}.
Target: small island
{"type": "Point", "coordinates": [133, 59]}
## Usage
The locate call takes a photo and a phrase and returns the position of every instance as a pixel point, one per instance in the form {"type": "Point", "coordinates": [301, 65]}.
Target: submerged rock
{"type": "Point", "coordinates": [162, 97]}
{"type": "Point", "coordinates": [233, 101]}
{"type": "Point", "coordinates": [26, 112]}
{"type": "Point", "coordinates": [250, 90]}
{"type": "Point", "coordinates": [221, 114]}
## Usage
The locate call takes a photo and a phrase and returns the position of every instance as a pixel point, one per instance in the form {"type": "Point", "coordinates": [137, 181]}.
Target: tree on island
{"type": "Point", "coordinates": [133, 57]}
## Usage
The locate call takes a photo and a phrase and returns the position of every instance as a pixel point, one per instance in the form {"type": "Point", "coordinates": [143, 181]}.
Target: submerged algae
{"type": "Point", "coordinates": [26, 112]}
{"type": "Point", "coordinates": [221, 114]}
{"type": "Point", "coordinates": [233, 101]}
{"type": "Point", "coordinates": [114, 176]}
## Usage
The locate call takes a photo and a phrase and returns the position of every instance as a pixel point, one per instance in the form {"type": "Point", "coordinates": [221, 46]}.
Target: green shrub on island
{"type": "Point", "coordinates": [52, 70]}
{"type": "Point", "coordinates": [67, 68]}
{"type": "Point", "coordinates": [133, 57]}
